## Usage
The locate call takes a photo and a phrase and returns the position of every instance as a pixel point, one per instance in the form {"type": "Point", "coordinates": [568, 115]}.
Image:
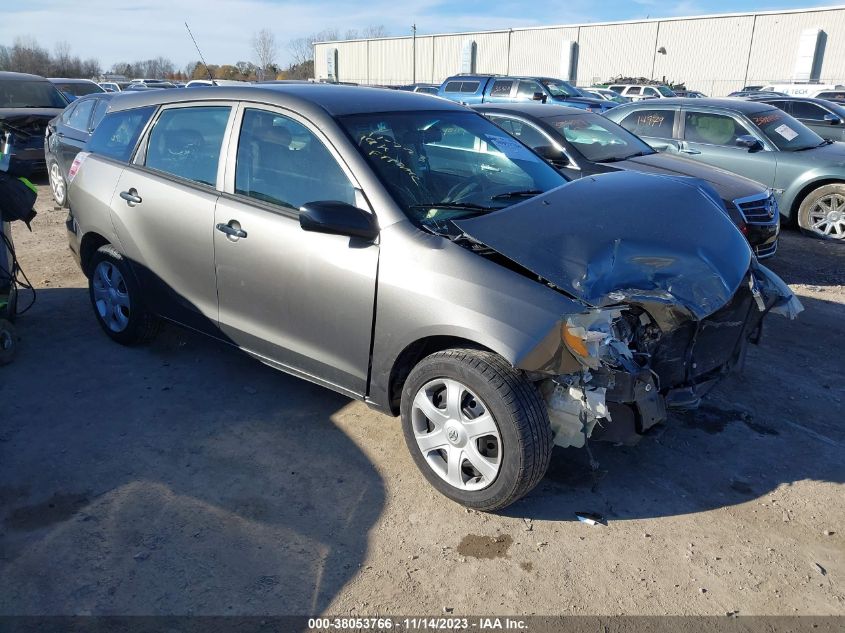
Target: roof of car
{"type": "Point", "coordinates": [6, 75]}
{"type": "Point", "coordinates": [739, 105]}
{"type": "Point", "coordinates": [66, 80]}
{"type": "Point", "coordinates": [334, 99]}
{"type": "Point", "coordinates": [533, 109]}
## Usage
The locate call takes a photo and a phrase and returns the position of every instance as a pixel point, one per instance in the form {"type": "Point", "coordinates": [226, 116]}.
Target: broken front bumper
{"type": "Point", "coordinates": [630, 378]}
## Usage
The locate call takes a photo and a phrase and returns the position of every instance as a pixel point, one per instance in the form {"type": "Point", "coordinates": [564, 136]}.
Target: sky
{"type": "Point", "coordinates": [122, 30]}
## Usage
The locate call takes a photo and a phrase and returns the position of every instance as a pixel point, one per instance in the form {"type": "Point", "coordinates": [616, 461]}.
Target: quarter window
{"type": "Point", "coordinates": [282, 162]}
{"type": "Point", "coordinates": [99, 112]}
{"type": "Point", "coordinates": [651, 122]}
{"type": "Point", "coordinates": [80, 115]}
{"type": "Point", "coordinates": [712, 129]}
{"type": "Point", "coordinates": [186, 142]}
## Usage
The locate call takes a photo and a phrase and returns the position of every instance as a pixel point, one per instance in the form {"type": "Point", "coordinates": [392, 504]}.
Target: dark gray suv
{"type": "Point", "coordinates": [405, 251]}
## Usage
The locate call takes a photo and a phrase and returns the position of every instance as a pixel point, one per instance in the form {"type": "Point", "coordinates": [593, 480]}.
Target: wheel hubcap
{"type": "Point", "coordinates": [827, 217]}
{"type": "Point", "coordinates": [456, 434]}
{"type": "Point", "coordinates": [111, 296]}
{"type": "Point", "coordinates": [57, 183]}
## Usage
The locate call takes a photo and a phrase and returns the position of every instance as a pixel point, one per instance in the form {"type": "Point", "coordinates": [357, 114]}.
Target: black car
{"type": "Point", "coordinates": [825, 118]}
{"type": "Point", "coordinates": [72, 89]}
{"type": "Point", "coordinates": [67, 134]}
{"type": "Point", "coordinates": [27, 103]}
{"type": "Point", "coordinates": [580, 144]}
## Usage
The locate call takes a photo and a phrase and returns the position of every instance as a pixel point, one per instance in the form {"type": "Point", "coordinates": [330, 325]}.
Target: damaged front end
{"type": "Point", "coordinates": [635, 366]}
{"type": "Point", "coordinates": [672, 296]}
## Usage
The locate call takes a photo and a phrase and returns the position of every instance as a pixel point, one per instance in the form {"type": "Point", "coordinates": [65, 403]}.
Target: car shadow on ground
{"type": "Point", "coordinates": [179, 477]}
{"type": "Point", "coordinates": [752, 434]}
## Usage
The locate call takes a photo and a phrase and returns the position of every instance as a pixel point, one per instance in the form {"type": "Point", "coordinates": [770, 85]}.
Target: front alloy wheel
{"type": "Point", "coordinates": [822, 214]}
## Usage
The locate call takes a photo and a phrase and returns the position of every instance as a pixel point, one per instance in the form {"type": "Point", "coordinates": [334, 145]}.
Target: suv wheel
{"type": "Point", "coordinates": [476, 428]}
{"type": "Point", "coordinates": [822, 213]}
{"type": "Point", "coordinates": [116, 299]}
{"type": "Point", "coordinates": [57, 184]}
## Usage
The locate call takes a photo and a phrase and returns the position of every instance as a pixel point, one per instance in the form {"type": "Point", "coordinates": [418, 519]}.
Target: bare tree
{"type": "Point", "coordinates": [374, 31]}
{"type": "Point", "coordinates": [264, 47]}
{"type": "Point", "coordinates": [91, 68]}
{"type": "Point", "coordinates": [62, 60]}
{"type": "Point", "coordinates": [5, 58]}
{"type": "Point", "coordinates": [27, 56]}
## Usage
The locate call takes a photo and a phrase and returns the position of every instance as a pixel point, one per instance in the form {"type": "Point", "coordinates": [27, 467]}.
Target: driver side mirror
{"type": "Point", "coordinates": [832, 119]}
{"type": "Point", "coordinates": [540, 96]}
{"type": "Point", "coordinates": [749, 142]}
{"type": "Point", "coordinates": [552, 154]}
{"type": "Point", "coordinates": [338, 218]}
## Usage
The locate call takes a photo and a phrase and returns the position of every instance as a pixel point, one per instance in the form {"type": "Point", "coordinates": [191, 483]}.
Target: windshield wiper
{"type": "Point", "coordinates": [524, 193]}
{"type": "Point", "coordinates": [616, 159]}
{"type": "Point", "coordinates": [822, 144]}
{"type": "Point", "coordinates": [461, 206]}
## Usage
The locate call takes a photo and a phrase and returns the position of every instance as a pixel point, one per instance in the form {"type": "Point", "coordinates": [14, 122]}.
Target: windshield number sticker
{"type": "Point", "coordinates": [651, 120]}
{"type": "Point", "coordinates": [513, 149]}
{"type": "Point", "coordinates": [786, 132]}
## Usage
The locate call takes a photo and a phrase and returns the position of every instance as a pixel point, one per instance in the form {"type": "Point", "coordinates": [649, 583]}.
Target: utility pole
{"type": "Point", "coordinates": [414, 48]}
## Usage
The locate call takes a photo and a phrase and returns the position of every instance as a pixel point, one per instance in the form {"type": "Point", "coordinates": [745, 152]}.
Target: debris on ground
{"type": "Point", "coordinates": [590, 518]}
{"type": "Point", "coordinates": [820, 569]}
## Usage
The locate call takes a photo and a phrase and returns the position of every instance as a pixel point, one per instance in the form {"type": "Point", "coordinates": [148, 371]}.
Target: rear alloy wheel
{"type": "Point", "coordinates": [116, 299]}
{"type": "Point", "coordinates": [822, 213]}
{"type": "Point", "coordinates": [57, 184]}
{"type": "Point", "coordinates": [476, 428]}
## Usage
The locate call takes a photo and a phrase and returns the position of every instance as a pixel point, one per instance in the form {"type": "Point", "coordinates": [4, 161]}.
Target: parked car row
{"type": "Point", "coordinates": [518, 306]}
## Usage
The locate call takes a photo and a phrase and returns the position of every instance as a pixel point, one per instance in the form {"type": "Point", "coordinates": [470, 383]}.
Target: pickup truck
{"type": "Point", "coordinates": [475, 89]}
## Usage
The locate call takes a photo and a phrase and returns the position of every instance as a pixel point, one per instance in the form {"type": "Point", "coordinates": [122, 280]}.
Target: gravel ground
{"type": "Point", "coordinates": [187, 478]}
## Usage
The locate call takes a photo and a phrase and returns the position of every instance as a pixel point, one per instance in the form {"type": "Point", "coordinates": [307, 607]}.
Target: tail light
{"type": "Point", "coordinates": [77, 163]}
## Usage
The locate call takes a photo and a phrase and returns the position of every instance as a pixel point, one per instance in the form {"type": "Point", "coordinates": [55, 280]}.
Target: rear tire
{"type": "Point", "coordinates": [476, 428]}
{"type": "Point", "coordinates": [58, 184]}
{"type": "Point", "coordinates": [116, 299]}
{"type": "Point", "coordinates": [822, 213]}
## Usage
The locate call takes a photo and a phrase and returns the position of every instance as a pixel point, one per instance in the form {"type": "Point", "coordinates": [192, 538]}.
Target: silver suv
{"type": "Point", "coordinates": [405, 251]}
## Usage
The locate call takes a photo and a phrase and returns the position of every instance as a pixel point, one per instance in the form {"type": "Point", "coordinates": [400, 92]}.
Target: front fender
{"type": "Point", "coordinates": [429, 287]}
{"type": "Point", "coordinates": [794, 194]}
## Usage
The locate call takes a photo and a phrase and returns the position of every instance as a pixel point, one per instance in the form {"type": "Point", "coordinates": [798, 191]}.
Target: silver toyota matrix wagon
{"type": "Point", "coordinates": [405, 251]}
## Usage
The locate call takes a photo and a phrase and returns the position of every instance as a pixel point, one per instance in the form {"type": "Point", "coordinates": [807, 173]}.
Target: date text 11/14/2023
{"type": "Point", "coordinates": [417, 624]}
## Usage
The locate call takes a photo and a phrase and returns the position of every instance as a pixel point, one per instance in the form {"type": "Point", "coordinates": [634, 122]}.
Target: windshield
{"type": "Point", "coordinates": [666, 92]}
{"type": "Point", "coordinates": [448, 165]}
{"type": "Point", "coordinates": [597, 139]}
{"type": "Point", "coordinates": [559, 88]}
{"type": "Point", "coordinates": [785, 132]}
{"type": "Point", "coordinates": [79, 89]}
{"type": "Point", "coordinates": [30, 94]}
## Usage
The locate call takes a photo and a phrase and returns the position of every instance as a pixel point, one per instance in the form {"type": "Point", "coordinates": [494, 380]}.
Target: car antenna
{"type": "Point", "coordinates": [207, 69]}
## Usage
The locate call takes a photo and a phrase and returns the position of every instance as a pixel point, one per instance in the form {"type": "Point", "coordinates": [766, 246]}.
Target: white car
{"type": "Point", "coordinates": [638, 92]}
{"type": "Point", "coordinates": [805, 89]}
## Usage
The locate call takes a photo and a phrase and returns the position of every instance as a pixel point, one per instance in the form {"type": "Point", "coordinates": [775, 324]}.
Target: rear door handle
{"type": "Point", "coordinates": [232, 230]}
{"type": "Point", "coordinates": [132, 198]}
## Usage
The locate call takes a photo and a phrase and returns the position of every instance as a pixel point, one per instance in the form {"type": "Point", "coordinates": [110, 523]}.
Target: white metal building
{"type": "Point", "coordinates": [715, 53]}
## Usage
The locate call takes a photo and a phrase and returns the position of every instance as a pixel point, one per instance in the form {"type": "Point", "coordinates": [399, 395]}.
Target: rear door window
{"type": "Point", "coordinates": [651, 122]}
{"type": "Point", "coordinates": [712, 129]}
{"type": "Point", "coordinates": [186, 142]}
{"type": "Point", "coordinates": [118, 133]}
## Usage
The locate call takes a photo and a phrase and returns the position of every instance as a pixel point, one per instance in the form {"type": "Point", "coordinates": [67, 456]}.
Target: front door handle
{"type": "Point", "coordinates": [687, 150]}
{"type": "Point", "coordinates": [232, 230]}
{"type": "Point", "coordinates": [132, 198]}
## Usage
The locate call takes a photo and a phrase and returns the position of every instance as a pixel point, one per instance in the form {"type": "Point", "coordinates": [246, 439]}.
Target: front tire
{"type": "Point", "coordinates": [476, 428]}
{"type": "Point", "coordinates": [58, 185]}
{"type": "Point", "coordinates": [822, 213]}
{"type": "Point", "coordinates": [116, 299]}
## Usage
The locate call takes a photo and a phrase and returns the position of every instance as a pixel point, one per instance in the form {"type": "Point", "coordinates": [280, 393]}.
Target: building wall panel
{"type": "Point", "coordinates": [610, 50]}
{"type": "Point", "coordinates": [538, 51]}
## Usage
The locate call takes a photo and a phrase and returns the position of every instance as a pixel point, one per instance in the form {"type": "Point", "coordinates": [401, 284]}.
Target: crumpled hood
{"type": "Point", "coordinates": [29, 120]}
{"type": "Point", "coordinates": [622, 237]}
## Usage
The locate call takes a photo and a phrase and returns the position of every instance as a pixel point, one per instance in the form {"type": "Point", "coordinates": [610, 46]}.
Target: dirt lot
{"type": "Point", "coordinates": [186, 478]}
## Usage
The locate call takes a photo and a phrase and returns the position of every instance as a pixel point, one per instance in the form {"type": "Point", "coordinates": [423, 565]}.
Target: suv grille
{"type": "Point", "coordinates": [761, 209]}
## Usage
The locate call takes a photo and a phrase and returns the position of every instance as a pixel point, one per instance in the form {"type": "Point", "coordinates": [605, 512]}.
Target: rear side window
{"type": "Point", "coordinates": [651, 122]}
{"type": "Point", "coordinates": [501, 88]}
{"type": "Point", "coordinates": [118, 133]}
{"type": "Point", "coordinates": [186, 142]}
{"type": "Point", "coordinates": [808, 111]}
